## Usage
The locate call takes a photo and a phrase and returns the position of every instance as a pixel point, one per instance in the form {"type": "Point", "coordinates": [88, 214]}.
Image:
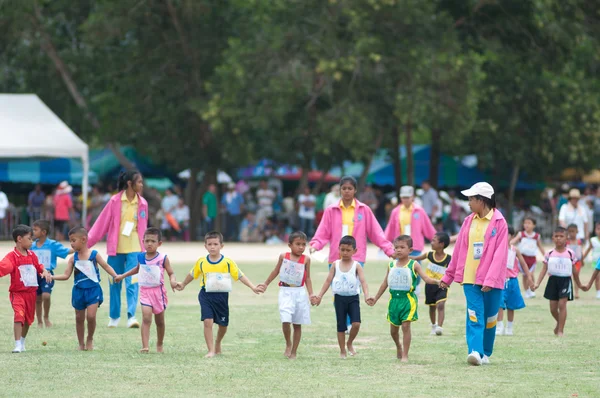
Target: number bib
{"type": "Point", "coordinates": [28, 275]}
{"type": "Point", "coordinates": [149, 275]}
{"type": "Point", "coordinates": [88, 269]}
{"type": "Point", "coordinates": [400, 279]}
{"type": "Point", "coordinates": [559, 266]}
{"type": "Point", "coordinates": [217, 282]}
{"type": "Point", "coordinates": [528, 246]}
{"type": "Point", "coordinates": [436, 269]}
{"type": "Point", "coordinates": [510, 261]}
{"type": "Point", "coordinates": [345, 283]}
{"type": "Point", "coordinates": [291, 273]}
{"type": "Point", "coordinates": [44, 257]}
{"type": "Point", "coordinates": [477, 250]}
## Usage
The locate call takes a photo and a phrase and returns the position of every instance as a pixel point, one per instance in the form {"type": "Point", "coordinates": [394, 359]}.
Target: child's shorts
{"type": "Point", "coordinates": [43, 286]}
{"type": "Point", "coordinates": [294, 306]}
{"type": "Point", "coordinates": [83, 297]}
{"type": "Point", "coordinates": [154, 297]}
{"type": "Point", "coordinates": [578, 265]}
{"type": "Point", "coordinates": [402, 308]}
{"type": "Point", "coordinates": [346, 307]}
{"type": "Point", "coordinates": [23, 304]}
{"type": "Point", "coordinates": [511, 295]}
{"type": "Point", "coordinates": [214, 306]}
{"type": "Point", "coordinates": [434, 294]}
{"type": "Point", "coordinates": [559, 287]}
{"type": "Point", "coordinates": [531, 262]}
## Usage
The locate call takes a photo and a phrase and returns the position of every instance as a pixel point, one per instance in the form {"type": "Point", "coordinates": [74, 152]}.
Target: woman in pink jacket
{"type": "Point", "coordinates": [123, 220]}
{"type": "Point", "coordinates": [349, 217]}
{"type": "Point", "coordinates": [479, 264]}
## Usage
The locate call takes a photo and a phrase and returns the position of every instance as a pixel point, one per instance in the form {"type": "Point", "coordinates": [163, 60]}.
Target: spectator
{"type": "Point", "coordinates": [333, 197]}
{"type": "Point", "coordinates": [453, 221]}
{"type": "Point", "coordinates": [380, 210]}
{"type": "Point", "coordinates": [35, 203]}
{"type": "Point", "coordinates": [233, 204]}
{"type": "Point", "coordinates": [49, 206]}
{"type": "Point", "coordinates": [249, 231]}
{"type": "Point", "coordinates": [430, 200]}
{"type": "Point", "coordinates": [167, 205]}
{"type": "Point", "coordinates": [63, 209]}
{"type": "Point", "coordinates": [563, 198]}
{"type": "Point", "coordinates": [573, 213]}
{"type": "Point", "coordinates": [3, 207]}
{"type": "Point", "coordinates": [270, 231]}
{"type": "Point", "coordinates": [369, 198]}
{"type": "Point", "coordinates": [597, 206]}
{"type": "Point", "coordinates": [265, 197]}
{"type": "Point", "coordinates": [306, 211]}
{"type": "Point", "coordinates": [289, 209]}
{"type": "Point", "coordinates": [209, 207]}
{"type": "Point", "coordinates": [181, 213]}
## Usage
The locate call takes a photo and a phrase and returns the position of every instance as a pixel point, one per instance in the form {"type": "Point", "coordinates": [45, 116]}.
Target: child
{"type": "Point", "coordinates": [530, 243]}
{"type": "Point", "coordinates": [594, 247]}
{"type": "Point", "coordinates": [23, 266]}
{"type": "Point", "coordinates": [435, 297]}
{"type": "Point", "coordinates": [595, 276]}
{"type": "Point", "coordinates": [216, 271]}
{"type": "Point", "coordinates": [47, 250]}
{"type": "Point", "coordinates": [576, 245]}
{"type": "Point", "coordinates": [401, 277]}
{"type": "Point", "coordinates": [151, 278]}
{"type": "Point", "coordinates": [293, 270]}
{"type": "Point", "coordinates": [511, 295]}
{"type": "Point", "coordinates": [344, 277]}
{"type": "Point", "coordinates": [87, 293]}
{"type": "Point", "coordinates": [560, 264]}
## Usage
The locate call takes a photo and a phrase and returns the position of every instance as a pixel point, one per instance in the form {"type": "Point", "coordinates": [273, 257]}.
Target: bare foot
{"type": "Point", "coordinates": [89, 345]}
{"type": "Point", "coordinates": [81, 348]}
{"type": "Point", "coordinates": [144, 350]}
{"type": "Point", "coordinates": [218, 350]}
{"type": "Point", "coordinates": [399, 353]}
{"type": "Point", "coordinates": [556, 329]}
{"type": "Point", "coordinates": [159, 348]}
{"type": "Point", "coordinates": [210, 355]}
{"type": "Point", "coordinates": [560, 334]}
{"type": "Point", "coordinates": [288, 351]}
{"type": "Point", "coordinates": [404, 359]}
{"type": "Point", "coordinates": [40, 325]}
{"type": "Point", "coordinates": [292, 356]}
{"type": "Point", "coordinates": [577, 296]}
{"type": "Point", "coordinates": [47, 323]}
{"type": "Point", "coordinates": [351, 350]}
{"type": "Point", "coordinates": [343, 354]}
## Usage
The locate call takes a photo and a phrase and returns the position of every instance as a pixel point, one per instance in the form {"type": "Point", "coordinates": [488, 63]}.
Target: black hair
{"type": "Point", "coordinates": [297, 235]}
{"type": "Point", "coordinates": [44, 225]}
{"type": "Point", "coordinates": [214, 235]}
{"type": "Point", "coordinates": [443, 238]}
{"type": "Point", "coordinates": [530, 219]}
{"type": "Point", "coordinates": [348, 180]}
{"type": "Point", "coordinates": [489, 202]}
{"type": "Point", "coordinates": [78, 231]}
{"type": "Point", "coordinates": [404, 238]}
{"type": "Point", "coordinates": [126, 176]}
{"type": "Point", "coordinates": [572, 226]}
{"type": "Point", "coordinates": [20, 231]}
{"type": "Point", "coordinates": [511, 230]}
{"type": "Point", "coordinates": [154, 231]}
{"type": "Point", "coordinates": [560, 230]}
{"type": "Point", "coordinates": [348, 240]}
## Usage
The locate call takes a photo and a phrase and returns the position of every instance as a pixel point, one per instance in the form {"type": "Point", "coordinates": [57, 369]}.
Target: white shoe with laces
{"type": "Point", "coordinates": [439, 331]}
{"type": "Point", "coordinates": [474, 359]}
{"type": "Point", "coordinates": [598, 294]}
{"type": "Point", "coordinates": [508, 331]}
{"type": "Point", "coordinates": [132, 323]}
{"type": "Point", "coordinates": [500, 328]}
{"type": "Point", "coordinates": [433, 328]}
{"type": "Point", "coordinates": [18, 349]}
{"type": "Point", "coordinates": [113, 323]}
{"type": "Point", "coordinates": [485, 360]}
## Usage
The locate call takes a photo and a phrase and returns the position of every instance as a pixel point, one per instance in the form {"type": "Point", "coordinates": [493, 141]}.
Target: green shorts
{"type": "Point", "coordinates": [402, 308]}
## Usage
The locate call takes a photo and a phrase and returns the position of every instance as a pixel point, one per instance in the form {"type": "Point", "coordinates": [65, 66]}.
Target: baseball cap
{"type": "Point", "coordinates": [407, 191]}
{"type": "Point", "coordinates": [481, 188]}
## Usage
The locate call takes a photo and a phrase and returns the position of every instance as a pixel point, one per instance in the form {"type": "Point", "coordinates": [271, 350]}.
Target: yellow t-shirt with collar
{"type": "Point", "coordinates": [405, 217]}
{"type": "Point", "coordinates": [476, 234]}
{"type": "Point", "coordinates": [224, 265]}
{"type": "Point", "coordinates": [129, 213]}
{"type": "Point", "coordinates": [348, 216]}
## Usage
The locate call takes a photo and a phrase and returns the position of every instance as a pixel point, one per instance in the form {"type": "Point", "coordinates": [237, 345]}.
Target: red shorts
{"type": "Point", "coordinates": [23, 304]}
{"type": "Point", "coordinates": [531, 262]}
{"type": "Point", "coordinates": [578, 266]}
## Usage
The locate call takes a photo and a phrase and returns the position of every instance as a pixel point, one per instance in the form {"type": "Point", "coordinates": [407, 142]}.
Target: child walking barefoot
{"type": "Point", "coordinates": [153, 294]}
{"type": "Point", "coordinates": [594, 247]}
{"type": "Point", "coordinates": [344, 277]}
{"type": "Point", "coordinates": [401, 278]}
{"type": "Point", "coordinates": [87, 293]}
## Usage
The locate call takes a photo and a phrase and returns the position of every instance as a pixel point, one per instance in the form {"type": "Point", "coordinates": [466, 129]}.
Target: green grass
{"type": "Point", "coordinates": [532, 363]}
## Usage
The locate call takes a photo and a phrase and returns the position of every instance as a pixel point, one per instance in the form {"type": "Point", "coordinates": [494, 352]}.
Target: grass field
{"type": "Point", "coordinates": [533, 363]}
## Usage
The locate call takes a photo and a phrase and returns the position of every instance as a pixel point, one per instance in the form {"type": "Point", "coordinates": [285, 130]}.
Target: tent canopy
{"type": "Point", "coordinates": [44, 171]}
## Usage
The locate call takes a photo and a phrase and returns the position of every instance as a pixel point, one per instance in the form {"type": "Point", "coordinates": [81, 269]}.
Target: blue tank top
{"type": "Point", "coordinates": [81, 279]}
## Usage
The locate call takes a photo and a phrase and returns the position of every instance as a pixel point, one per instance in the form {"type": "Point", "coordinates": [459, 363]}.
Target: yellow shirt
{"type": "Point", "coordinates": [405, 217]}
{"type": "Point", "coordinates": [129, 211]}
{"type": "Point", "coordinates": [347, 217]}
{"type": "Point", "coordinates": [223, 266]}
{"type": "Point", "coordinates": [476, 236]}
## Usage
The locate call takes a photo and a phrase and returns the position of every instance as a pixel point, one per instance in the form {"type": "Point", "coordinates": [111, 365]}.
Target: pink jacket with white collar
{"type": "Point", "coordinates": [492, 266]}
{"type": "Point", "coordinates": [365, 226]}
{"type": "Point", "coordinates": [420, 227]}
{"type": "Point", "coordinates": [109, 223]}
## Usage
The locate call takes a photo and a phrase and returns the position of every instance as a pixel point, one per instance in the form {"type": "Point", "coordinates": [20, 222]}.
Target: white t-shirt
{"type": "Point", "coordinates": [578, 216]}
{"type": "Point", "coordinates": [303, 211]}
{"type": "Point", "coordinates": [3, 205]}
{"type": "Point", "coordinates": [181, 214]}
{"type": "Point", "coordinates": [265, 197]}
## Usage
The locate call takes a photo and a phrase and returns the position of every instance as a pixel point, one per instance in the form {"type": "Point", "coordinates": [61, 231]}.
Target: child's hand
{"type": "Point", "coordinates": [313, 300]}
{"type": "Point", "coordinates": [174, 285]}
{"type": "Point", "coordinates": [262, 286]}
{"type": "Point", "coordinates": [443, 285]}
{"type": "Point", "coordinates": [257, 290]}
{"type": "Point", "coordinates": [534, 288]}
{"type": "Point", "coordinates": [531, 281]}
{"type": "Point", "coordinates": [318, 300]}
{"type": "Point", "coordinates": [369, 301]}
{"type": "Point", "coordinates": [118, 278]}
{"type": "Point", "coordinates": [585, 288]}
{"type": "Point", "coordinates": [48, 277]}
{"type": "Point", "coordinates": [180, 286]}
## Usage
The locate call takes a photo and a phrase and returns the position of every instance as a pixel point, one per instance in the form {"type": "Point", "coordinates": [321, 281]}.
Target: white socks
{"type": "Point", "coordinates": [500, 325]}
{"type": "Point", "coordinates": [22, 343]}
{"type": "Point", "coordinates": [509, 325]}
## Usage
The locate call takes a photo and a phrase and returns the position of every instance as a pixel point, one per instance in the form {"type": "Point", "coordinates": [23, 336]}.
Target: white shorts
{"type": "Point", "coordinates": [294, 306]}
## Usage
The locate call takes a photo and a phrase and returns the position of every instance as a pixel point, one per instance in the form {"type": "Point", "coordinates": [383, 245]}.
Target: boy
{"type": "Point", "coordinates": [594, 277]}
{"type": "Point", "coordinates": [576, 245]}
{"type": "Point", "coordinates": [512, 299]}
{"type": "Point", "coordinates": [529, 244]}
{"type": "Point", "coordinates": [47, 250]}
{"type": "Point", "coordinates": [560, 264]}
{"type": "Point", "coordinates": [435, 297]}
{"type": "Point", "coordinates": [216, 271]}
{"type": "Point", "coordinates": [594, 247]}
{"type": "Point", "coordinates": [401, 277]}
{"type": "Point", "coordinates": [344, 277]}
{"type": "Point", "coordinates": [293, 269]}
{"type": "Point", "coordinates": [23, 266]}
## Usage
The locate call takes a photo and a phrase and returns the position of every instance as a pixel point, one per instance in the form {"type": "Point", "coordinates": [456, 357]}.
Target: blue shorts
{"type": "Point", "coordinates": [214, 306]}
{"type": "Point", "coordinates": [43, 286]}
{"type": "Point", "coordinates": [511, 296]}
{"type": "Point", "coordinates": [81, 298]}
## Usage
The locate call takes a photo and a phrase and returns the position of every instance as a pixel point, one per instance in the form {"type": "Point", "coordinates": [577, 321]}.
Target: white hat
{"type": "Point", "coordinates": [64, 187]}
{"type": "Point", "coordinates": [407, 191]}
{"type": "Point", "coordinates": [481, 188]}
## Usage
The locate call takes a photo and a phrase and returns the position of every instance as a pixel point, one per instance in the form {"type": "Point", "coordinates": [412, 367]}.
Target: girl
{"type": "Point", "coordinates": [594, 247]}
{"type": "Point", "coordinates": [530, 243]}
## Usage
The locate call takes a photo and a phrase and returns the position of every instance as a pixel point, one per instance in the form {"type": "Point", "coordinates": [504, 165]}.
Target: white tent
{"type": "Point", "coordinates": [28, 128]}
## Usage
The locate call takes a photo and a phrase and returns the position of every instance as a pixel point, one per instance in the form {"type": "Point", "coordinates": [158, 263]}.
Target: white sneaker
{"type": "Point", "coordinates": [485, 360]}
{"type": "Point", "coordinates": [474, 359]}
{"type": "Point", "coordinates": [132, 323]}
{"type": "Point", "coordinates": [439, 330]}
{"type": "Point", "coordinates": [530, 294]}
{"type": "Point", "coordinates": [598, 294]}
{"type": "Point", "coordinates": [113, 323]}
{"type": "Point", "coordinates": [508, 331]}
{"type": "Point", "coordinates": [18, 349]}
{"type": "Point", "coordinates": [348, 329]}
{"type": "Point", "coordinates": [433, 328]}
{"type": "Point", "coordinates": [22, 344]}
{"type": "Point", "coordinates": [500, 329]}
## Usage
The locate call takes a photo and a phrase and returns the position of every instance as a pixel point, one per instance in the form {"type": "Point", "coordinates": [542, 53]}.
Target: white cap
{"type": "Point", "coordinates": [407, 191]}
{"type": "Point", "coordinates": [481, 188]}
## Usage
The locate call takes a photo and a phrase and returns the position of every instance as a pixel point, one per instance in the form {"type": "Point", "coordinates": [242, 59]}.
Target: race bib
{"type": "Point", "coordinates": [28, 275]}
{"type": "Point", "coordinates": [477, 250]}
{"type": "Point", "coordinates": [44, 257]}
{"type": "Point", "coordinates": [510, 260]}
{"type": "Point", "coordinates": [292, 273]}
{"type": "Point", "coordinates": [217, 282]}
{"type": "Point", "coordinates": [149, 275]}
{"type": "Point", "coordinates": [407, 230]}
{"type": "Point", "coordinates": [87, 268]}
{"type": "Point", "coordinates": [436, 269]}
{"type": "Point", "coordinates": [127, 229]}
{"type": "Point", "coordinates": [345, 285]}
{"type": "Point", "coordinates": [558, 266]}
{"type": "Point", "coordinates": [528, 247]}
{"type": "Point", "coordinates": [400, 279]}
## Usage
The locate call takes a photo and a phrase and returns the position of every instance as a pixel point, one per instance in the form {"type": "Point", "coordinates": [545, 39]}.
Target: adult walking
{"type": "Point", "coordinates": [124, 219]}
{"type": "Point", "coordinates": [573, 212]}
{"type": "Point", "coordinates": [479, 264]}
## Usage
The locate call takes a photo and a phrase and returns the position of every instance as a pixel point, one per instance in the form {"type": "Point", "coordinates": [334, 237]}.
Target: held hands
{"type": "Point", "coordinates": [118, 278]}
{"type": "Point", "coordinates": [48, 276]}
{"type": "Point", "coordinates": [585, 288]}
{"type": "Point", "coordinates": [179, 286]}
{"type": "Point", "coordinates": [174, 285]}
{"type": "Point", "coordinates": [486, 289]}
{"type": "Point", "coordinates": [258, 289]}
{"type": "Point", "coordinates": [443, 285]}
{"type": "Point", "coordinates": [315, 300]}
{"type": "Point", "coordinates": [530, 280]}
{"type": "Point", "coordinates": [534, 288]}
{"type": "Point", "coordinates": [370, 301]}
{"type": "Point", "coordinates": [262, 286]}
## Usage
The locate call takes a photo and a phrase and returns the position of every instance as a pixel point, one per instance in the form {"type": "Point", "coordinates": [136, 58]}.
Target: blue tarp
{"type": "Point", "coordinates": [44, 171]}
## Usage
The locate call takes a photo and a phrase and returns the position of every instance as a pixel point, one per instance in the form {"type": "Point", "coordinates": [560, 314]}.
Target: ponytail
{"type": "Point", "coordinates": [125, 177]}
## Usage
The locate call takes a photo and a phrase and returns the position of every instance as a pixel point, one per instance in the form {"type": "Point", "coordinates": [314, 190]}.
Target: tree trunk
{"type": "Point", "coordinates": [434, 162]}
{"type": "Point", "coordinates": [410, 170]}
{"type": "Point", "coordinates": [397, 160]}
{"type": "Point", "coordinates": [514, 178]}
{"type": "Point", "coordinates": [190, 199]}
{"type": "Point", "coordinates": [319, 185]}
{"type": "Point", "coordinates": [362, 181]}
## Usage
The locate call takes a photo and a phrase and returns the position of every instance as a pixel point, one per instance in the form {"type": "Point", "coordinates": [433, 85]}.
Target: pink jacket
{"type": "Point", "coordinates": [109, 222]}
{"type": "Point", "coordinates": [492, 266]}
{"type": "Point", "coordinates": [365, 226]}
{"type": "Point", "coordinates": [420, 227]}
